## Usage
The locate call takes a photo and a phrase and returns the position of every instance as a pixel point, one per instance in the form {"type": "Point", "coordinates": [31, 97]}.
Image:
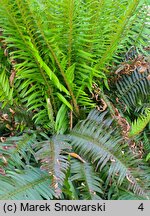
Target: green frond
{"type": "Point", "coordinates": [120, 193]}
{"type": "Point", "coordinates": [86, 180]}
{"type": "Point", "coordinates": [121, 24]}
{"type": "Point", "coordinates": [134, 89]}
{"type": "Point", "coordinates": [126, 195]}
{"type": "Point", "coordinates": [28, 184]}
{"type": "Point", "coordinates": [137, 29]}
{"type": "Point", "coordinates": [53, 49]}
{"type": "Point", "coordinates": [61, 124]}
{"type": "Point", "coordinates": [98, 141]}
{"type": "Point", "coordinates": [140, 123]}
{"type": "Point", "coordinates": [146, 141]}
{"type": "Point", "coordinates": [18, 151]}
{"type": "Point", "coordinates": [6, 91]}
{"type": "Point", "coordinates": [57, 50]}
{"type": "Point", "coordinates": [63, 47]}
{"type": "Point", "coordinates": [34, 78]}
{"type": "Point", "coordinates": [52, 154]}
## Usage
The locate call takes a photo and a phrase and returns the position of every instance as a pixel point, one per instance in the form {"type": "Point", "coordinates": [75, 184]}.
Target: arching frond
{"type": "Point", "coordinates": [54, 159]}
{"type": "Point", "coordinates": [97, 140]}
{"type": "Point", "coordinates": [137, 30]}
{"type": "Point", "coordinates": [28, 184]}
{"type": "Point", "coordinates": [57, 50]}
{"type": "Point", "coordinates": [62, 48]}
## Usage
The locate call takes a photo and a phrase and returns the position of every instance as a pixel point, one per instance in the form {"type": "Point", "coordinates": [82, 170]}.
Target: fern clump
{"type": "Point", "coordinates": [66, 137]}
{"type": "Point", "coordinates": [60, 50]}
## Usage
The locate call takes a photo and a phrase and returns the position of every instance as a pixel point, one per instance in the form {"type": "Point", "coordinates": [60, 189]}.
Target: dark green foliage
{"type": "Point", "coordinates": [93, 153]}
{"type": "Point", "coordinates": [28, 184]}
{"type": "Point", "coordinates": [52, 54]}
{"type": "Point", "coordinates": [134, 90]}
{"type": "Point", "coordinates": [86, 180]}
{"type": "Point", "coordinates": [97, 140]}
{"type": "Point", "coordinates": [53, 160]}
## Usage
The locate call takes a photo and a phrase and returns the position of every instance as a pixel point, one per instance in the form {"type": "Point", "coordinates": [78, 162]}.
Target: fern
{"type": "Point", "coordinates": [28, 184]}
{"type": "Point", "coordinates": [6, 91]}
{"type": "Point", "coordinates": [18, 151]}
{"type": "Point", "coordinates": [54, 161]}
{"type": "Point", "coordinates": [98, 141]}
{"type": "Point", "coordinates": [62, 48]}
{"type": "Point", "coordinates": [134, 89]}
{"type": "Point", "coordinates": [88, 182]}
{"type": "Point", "coordinates": [98, 157]}
{"type": "Point", "coordinates": [139, 124]}
{"type": "Point", "coordinates": [139, 31]}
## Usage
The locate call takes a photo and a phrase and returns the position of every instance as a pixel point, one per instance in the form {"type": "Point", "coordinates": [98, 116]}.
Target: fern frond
{"type": "Point", "coordinates": [97, 140]}
{"type": "Point", "coordinates": [134, 89]}
{"type": "Point", "coordinates": [62, 48]}
{"type": "Point", "coordinates": [28, 184]}
{"type": "Point", "coordinates": [121, 25]}
{"type": "Point", "coordinates": [53, 160]}
{"type": "Point", "coordinates": [52, 49]}
{"type": "Point", "coordinates": [18, 150]}
{"type": "Point", "coordinates": [86, 179]}
{"type": "Point", "coordinates": [137, 30]}
{"type": "Point", "coordinates": [61, 124]}
{"type": "Point", "coordinates": [6, 91]}
{"type": "Point", "coordinates": [140, 123]}
{"type": "Point", "coordinates": [125, 195]}
{"type": "Point", "coordinates": [35, 77]}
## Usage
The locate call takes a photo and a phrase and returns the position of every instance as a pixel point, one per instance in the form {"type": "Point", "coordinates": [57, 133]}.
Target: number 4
{"type": "Point", "coordinates": [141, 207]}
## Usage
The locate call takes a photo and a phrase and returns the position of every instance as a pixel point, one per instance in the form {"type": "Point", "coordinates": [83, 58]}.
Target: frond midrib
{"type": "Point", "coordinates": [124, 91]}
{"type": "Point", "coordinates": [24, 187]}
{"type": "Point", "coordinates": [123, 164]}
{"type": "Point", "coordinates": [89, 138]}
